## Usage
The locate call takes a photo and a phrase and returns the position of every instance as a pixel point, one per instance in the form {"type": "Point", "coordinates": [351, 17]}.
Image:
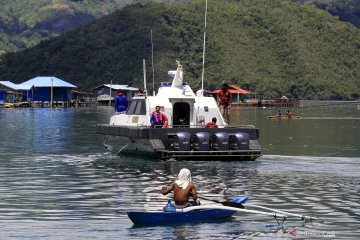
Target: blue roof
{"type": "Point", "coordinates": [15, 86]}
{"type": "Point", "coordinates": [9, 84]}
{"type": "Point", "coordinates": [47, 82]}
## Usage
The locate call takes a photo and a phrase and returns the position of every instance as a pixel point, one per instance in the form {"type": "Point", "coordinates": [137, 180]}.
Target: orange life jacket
{"type": "Point", "coordinates": [162, 120]}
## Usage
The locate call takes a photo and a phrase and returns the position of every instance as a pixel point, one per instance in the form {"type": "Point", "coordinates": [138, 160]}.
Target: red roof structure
{"type": "Point", "coordinates": [233, 89]}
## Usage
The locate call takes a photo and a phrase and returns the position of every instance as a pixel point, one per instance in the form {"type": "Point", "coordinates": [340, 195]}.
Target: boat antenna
{"type": "Point", "coordinates": [152, 62]}
{"type": "Point", "coordinates": [110, 94]}
{"type": "Point", "coordinates": [144, 69]}
{"type": "Point", "coordinates": [203, 64]}
{"type": "Point", "coordinates": [203, 68]}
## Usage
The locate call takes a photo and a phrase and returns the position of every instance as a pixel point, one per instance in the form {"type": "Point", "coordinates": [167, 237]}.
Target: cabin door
{"type": "Point", "coordinates": [181, 114]}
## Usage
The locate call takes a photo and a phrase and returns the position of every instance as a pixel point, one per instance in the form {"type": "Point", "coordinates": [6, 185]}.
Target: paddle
{"type": "Point", "coordinates": [303, 217]}
{"type": "Point", "coordinates": [188, 209]}
{"type": "Point", "coordinates": [236, 203]}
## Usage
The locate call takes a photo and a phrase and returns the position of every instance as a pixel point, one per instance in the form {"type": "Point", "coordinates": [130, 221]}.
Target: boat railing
{"type": "Point", "coordinates": [200, 126]}
{"type": "Point", "coordinates": [118, 113]}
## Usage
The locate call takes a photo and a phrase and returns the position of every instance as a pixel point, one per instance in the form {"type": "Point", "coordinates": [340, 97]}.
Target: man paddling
{"type": "Point", "coordinates": [183, 188]}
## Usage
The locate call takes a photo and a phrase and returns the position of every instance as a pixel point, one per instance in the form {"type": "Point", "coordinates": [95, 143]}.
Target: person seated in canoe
{"type": "Point", "coordinates": [158, 119]}
{"type": "Point", "coordinates": [183, 188]}
{"type": "Point", "coordinates": [279, 114]}
{"type": "Point", "coordinates": [288, 114]}
{"type": "Point", "coordinates": [212, 124]}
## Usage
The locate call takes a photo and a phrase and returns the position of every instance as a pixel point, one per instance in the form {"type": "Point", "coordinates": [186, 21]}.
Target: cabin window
{"type": "Point", "coordinates": [131, 108]}
{"type": "Point", "coordinates": [137, 107]}
{"type": "Point", "coordinates": [206, 108]}
{"type": "Point", "coordinates": [140, 108]}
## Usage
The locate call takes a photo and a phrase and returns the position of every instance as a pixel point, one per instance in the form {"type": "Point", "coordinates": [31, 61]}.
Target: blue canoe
{"type": "Point", "coordinates": [189, 214]}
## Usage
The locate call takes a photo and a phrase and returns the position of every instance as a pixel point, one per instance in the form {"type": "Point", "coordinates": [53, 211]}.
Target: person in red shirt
{"type": "Point", "coordinates": [158, 119]}
{"type": "Point", "coordinates": [225, 101]}
{"type": "Point", "coordinates": [212, 124]}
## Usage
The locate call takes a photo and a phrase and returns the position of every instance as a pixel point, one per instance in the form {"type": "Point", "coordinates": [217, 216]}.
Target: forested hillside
{"type": "Point", "coordinates": [269, 47]}
{"type": "Point", "coordinates": [346, 10]}
{"type": "Point", "coordinates": [24, 23]}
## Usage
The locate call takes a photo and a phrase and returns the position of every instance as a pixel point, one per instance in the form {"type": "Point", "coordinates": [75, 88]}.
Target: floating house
{"type": "Point", "coordinates": [244, 98]}
{"type": "Point", "coordinates": [39, 89]}
{"type": "Point", "coordinates": [11, 92]}
{"type": "Point", "coordinates": [106, 93]}
{"type": "Point", "coordinates": [45, 89]}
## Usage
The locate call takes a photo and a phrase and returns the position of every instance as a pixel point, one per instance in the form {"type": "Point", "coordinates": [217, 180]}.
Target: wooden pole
{"type": "Point", "coordinates": [51, 93]}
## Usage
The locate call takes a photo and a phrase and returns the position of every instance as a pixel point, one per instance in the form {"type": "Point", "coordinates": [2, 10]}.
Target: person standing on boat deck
{"type": "Point", "coordinates": [225, 101]}
{"type": "Point", "coordinates": [120, 103]}
{"type": "Point", "coordinates": [212, 124]}
{"type": "Point", "coordinates": [158, 119]}
{"type": "Point", "coordinates": [183, 188]}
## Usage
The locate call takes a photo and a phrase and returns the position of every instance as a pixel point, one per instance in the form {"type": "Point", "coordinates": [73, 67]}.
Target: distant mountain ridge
{"type": "Point", "coordinates": [24, 23]}
{"type": "Point", "coordinates": [272, 48]}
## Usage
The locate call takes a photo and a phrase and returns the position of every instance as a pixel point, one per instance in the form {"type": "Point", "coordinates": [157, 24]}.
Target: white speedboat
{"type": "Point", "coordinates": [186, 136]}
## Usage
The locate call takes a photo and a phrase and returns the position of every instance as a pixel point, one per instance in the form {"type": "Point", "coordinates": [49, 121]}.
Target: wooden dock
{"type": "Point", "coordinates": [268, 103]}
{"type": "Point", "coordinates": [47, 104]}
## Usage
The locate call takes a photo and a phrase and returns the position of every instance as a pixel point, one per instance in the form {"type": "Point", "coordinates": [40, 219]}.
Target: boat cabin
{"type": "Point", "coordinates": [182, 107]}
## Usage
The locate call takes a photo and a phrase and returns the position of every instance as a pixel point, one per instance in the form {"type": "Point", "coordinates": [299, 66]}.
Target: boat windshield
{"type": "Point", "coordinates": [137, 107]}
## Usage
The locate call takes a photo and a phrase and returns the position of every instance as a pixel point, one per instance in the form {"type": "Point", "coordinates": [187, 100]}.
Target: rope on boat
{"type": "Point", "coordinates": [122, 149]}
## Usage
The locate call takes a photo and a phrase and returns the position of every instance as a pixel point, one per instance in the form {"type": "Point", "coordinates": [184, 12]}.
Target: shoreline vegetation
{"type": "Point", "coordinates": [272, 48]}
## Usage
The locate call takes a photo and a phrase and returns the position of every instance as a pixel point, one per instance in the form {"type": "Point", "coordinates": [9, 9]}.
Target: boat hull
{"type": "Point", "coordinates": [166, 218]}
{"type": "Point", "coordinates": [158, 142]}
{"type": "Point", "coordinates": [128, 145]}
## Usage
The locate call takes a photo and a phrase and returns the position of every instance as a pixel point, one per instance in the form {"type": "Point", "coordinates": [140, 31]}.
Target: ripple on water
{"type": "Point", "coordinates": [99, 188]}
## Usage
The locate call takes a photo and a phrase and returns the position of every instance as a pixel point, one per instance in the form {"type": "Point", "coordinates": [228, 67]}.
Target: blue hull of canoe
{"type": "Point", "coordinates": [164, 218]}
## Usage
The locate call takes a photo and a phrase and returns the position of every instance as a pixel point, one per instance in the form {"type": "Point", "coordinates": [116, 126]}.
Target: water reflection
{"type": "Point", "coordinates": [58, 182]}
{"type": "Point", "coordinates": [324, 129]}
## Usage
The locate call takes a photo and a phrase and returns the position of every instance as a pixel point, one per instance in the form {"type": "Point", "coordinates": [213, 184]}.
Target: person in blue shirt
{"type": "Point", "coordinates": [158, 119]}
{"type": "Point", "coordinates": [120, 103]}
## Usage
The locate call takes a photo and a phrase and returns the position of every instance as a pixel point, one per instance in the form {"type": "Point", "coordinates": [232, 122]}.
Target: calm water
{"type": "Point", "coordinates": [57, 181]}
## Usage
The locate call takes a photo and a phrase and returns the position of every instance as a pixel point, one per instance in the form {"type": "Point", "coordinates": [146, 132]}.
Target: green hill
{"type": "Point", "coordinates": [271, 47]}
{"type": "Point", "coordinates": [24, 23]}
{"type": "Point", "coordinates": [346, 10]}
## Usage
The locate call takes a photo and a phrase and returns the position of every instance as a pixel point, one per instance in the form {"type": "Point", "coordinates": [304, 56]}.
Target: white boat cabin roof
{"type": "Point", "coordinates": [178, 101]}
